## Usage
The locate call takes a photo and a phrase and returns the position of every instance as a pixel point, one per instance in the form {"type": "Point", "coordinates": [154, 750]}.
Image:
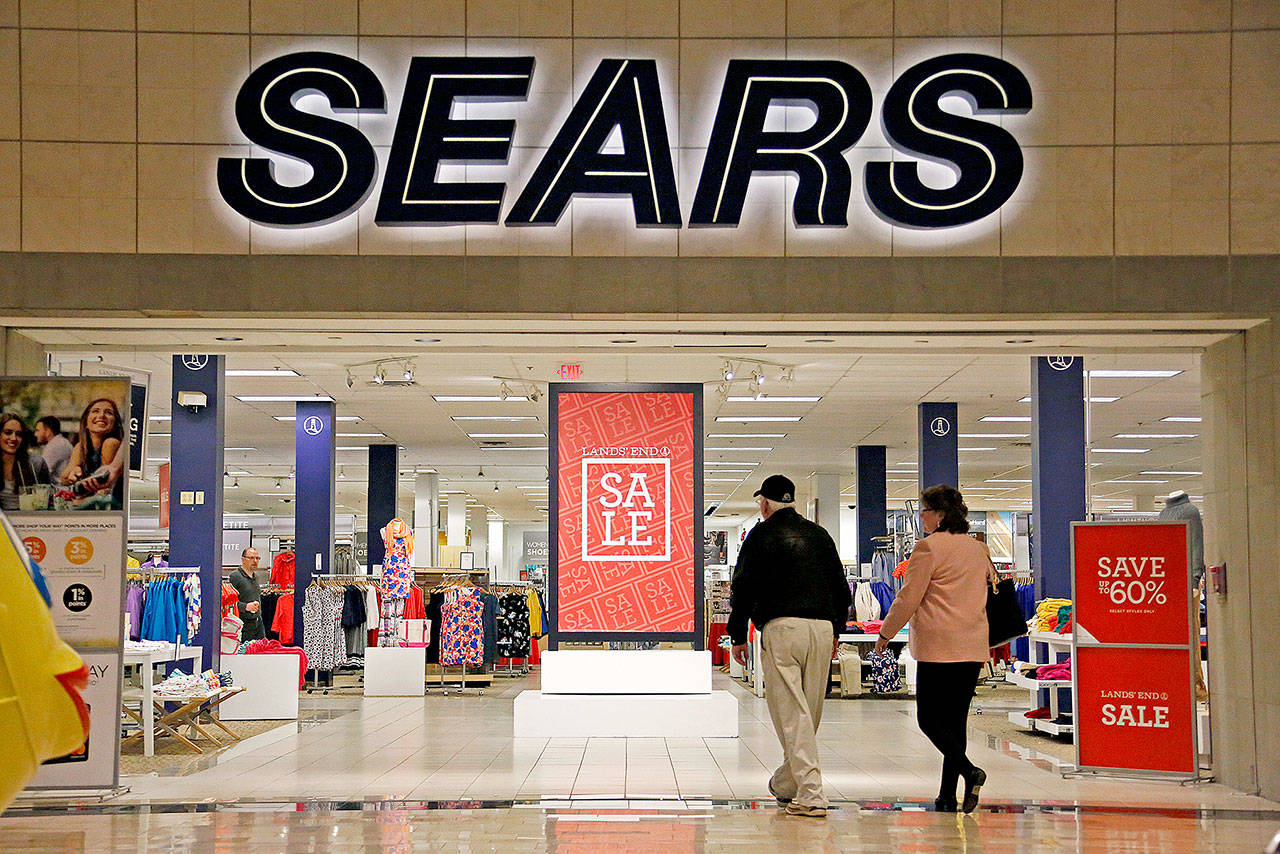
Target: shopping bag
{"type": "Point", "coordinates": [1004, 614]}
{"type": "Point", "coordinates": [885, 678]}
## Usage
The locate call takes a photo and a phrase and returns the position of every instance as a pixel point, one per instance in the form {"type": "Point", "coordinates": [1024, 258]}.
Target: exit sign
{"type": "Point", "coordinates": [570, 372]}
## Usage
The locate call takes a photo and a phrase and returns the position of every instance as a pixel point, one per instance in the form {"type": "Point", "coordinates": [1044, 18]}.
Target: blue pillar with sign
{"type": "Point", "coordinates": [939, 456]}
{"type": "Point", "coordinates": [383, 465]}
{"type": "Point", "coordinates": [873, 500]}
{"type": "Point", "coordinates": [314, 498]}
{"type": "Point", "coordinates": [195, 482]}
{"type": "Point", "coordinates": [1059, 469]}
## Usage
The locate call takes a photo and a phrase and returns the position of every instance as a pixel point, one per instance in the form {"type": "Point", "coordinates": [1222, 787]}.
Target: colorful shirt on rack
{"type": "Point", "coordinates": [282, 570]}
{"type": "Point", "coordinates": [513, 626]}
{"type": "Point", "coordinates": [397, 564]}
{"type": "Point", "coordinates": [191, 592]}
{"type": "Point", "coordinates": [462, 628]}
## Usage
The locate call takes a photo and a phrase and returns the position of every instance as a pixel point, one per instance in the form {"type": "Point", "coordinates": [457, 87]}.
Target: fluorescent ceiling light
{"type": "Point", "coordinates": [532, 486]}
{"type": "Point", "coordinates": [975, 449]}
{"type": "Point", "coordinates": [283, 398]}
{"type": "Point", "coordinates": [728, 463]}
{"type": "Point", "coordinates": [240, 449]}
{"type": "Point", "coordinates": [512, 448]}
{"type": "Point", "coordinates": [157, 459]}
{"type": "Point", "coordinates": [1187, 473]}
{"type": "Point", "coordinates": [719, 449]}
{"type": "Point", "coordinates": [899, 480]}
{"type": "Point", "coordinates": [1119, 450]}
{"type": "Point", "coordinates": [774, 399]}
{"type": "Point", "coordinates": [722, 480]}
{"type": "Point", "coordinates": [235, 473]}
{"type": "Point", "coordinates": [1135, 481]}
{"type": "Point", "coordinates": [1132, 374]}
{"type": "Point", "coordinates": [1156, 435]}
{"type": "Point", "coordinates": [743, 472]}
{"type": "Point", "coordinates": [746, 435]}
{"type": "Point", "coordinates": [352, 448]}
{"type": "Point", "coordinates": [274, 494]}
{"type": "Point", "coordinates": [478, 398]}
{"type": "Point", "coordinates": [753, 419]}
{"type": "Point", "coordinates": [899, 471]}
{"type": "Point", "coordinates": [160, 418]}
{"type": "Point", "coordinates": [507, 435]}
{"type": "Point", "coordinates": [495, 418]}
{"type": "Point", "coordinates": [1005, 418]}
{"type": "Point", "coordinates": [1096, 399]}
{"type": "Point", "coordinates": [993, 435]}
{"type": "Point", "coordinates": [336, 417]}
{"type": "Point", "coordinates": [361, 435]}
{"type": "Point", "coordinates": [1007, 480]}
{"type": "Point", "coordinates": [263, 372]}
{"type": "Point", "coordinates": [1188, 419]}
{"type": "Point", "coordinates": [160, 435]}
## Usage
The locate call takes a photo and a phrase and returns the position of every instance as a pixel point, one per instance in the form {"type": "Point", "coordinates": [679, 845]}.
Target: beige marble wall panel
{"type": "Point", "coordinates": [1064, 204]}
{"type": "Point", "coordinates": [703, 63]}
{"type": "Point", "coordinates": [760, 229]}
{"type": "Point", "coordinates": [726, 19]}
{"type": "Point", "coordinates": [520, 18]}
{"type": "Point", "coordinates": [187, 86]}
{"type": "Point", "coordinates": [78, 197]}
{"type": "Point", "coordinates": [389, 59]}
{"type": "Point", "coordinates": [839, 18]}
{"type": "Point", "coordinates": [179, 209]}
{"type": "Point", "coordinates": [626, 18]}
{"type": "Point", "coordinates": [413, 17]}
{"type": "Point", "coordinates": [1162, 16]}
{"type": "Point", "coordinates": [909, 51]}
{"type": "Point", "coordinates": [1172, 88]}
{"type": "Point", "coordinates": [10, 198]}
{"type": "Point", "coordinates": [72, 14]}
{"type": "Point", "coordinates": [10, 85]}
{"type": "Point", "coordinates": [9, 16]}
{"type": "Point", "coordinates": [78, 86]}
{"type": "Point", "coordinates": [1255, 75]}
{"type": "Point", "coordinates": [1255, 14]}
{"type": "Point", "coordinates": [330, 18]}
{"type": "Point", "coordinates": [946, 17]}
{"type": "Point", "coordinates": [1036, 17]}
{"type": "Point", "coordinates": [1255, 199]}
{"type": "Point", "coordinates": [1072, 83]}
{"type": "Point", "coordinates": [1171, 200]}
{"type": "Point", "coordinates": [199, 16]}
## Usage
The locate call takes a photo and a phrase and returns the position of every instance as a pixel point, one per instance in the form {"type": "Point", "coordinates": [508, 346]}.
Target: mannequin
{"type": "Point", "coordinates": [1178, 508]}
{"type": "Point", "coordinates": [397, 576]}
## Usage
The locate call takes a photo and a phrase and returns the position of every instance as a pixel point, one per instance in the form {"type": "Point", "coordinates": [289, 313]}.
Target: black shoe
{"type": "Point", "coordinates": [782, 802]}
{"type": "Point", "coordinates": [944, 804]}
{"type": "Point", "coordinates": [972, 786]}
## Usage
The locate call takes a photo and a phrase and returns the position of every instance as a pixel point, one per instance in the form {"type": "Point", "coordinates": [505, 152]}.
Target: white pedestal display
{"type": "Point", "coordinates": [542, 715]}
{"type": "Point", "coordinates": [395, 671]}
{"type": "Point", "coordinates": [270, 685]}
{"type": "Point", "coordinates": [654, 671]}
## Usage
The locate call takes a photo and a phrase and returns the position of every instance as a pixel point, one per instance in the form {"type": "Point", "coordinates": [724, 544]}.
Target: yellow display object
{"type": "Point", "coordinates": [42, 714]}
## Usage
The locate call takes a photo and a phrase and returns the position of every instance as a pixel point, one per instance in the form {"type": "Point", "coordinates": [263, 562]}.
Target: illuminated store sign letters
{"type": "Point", "coordinates": [623, 101]}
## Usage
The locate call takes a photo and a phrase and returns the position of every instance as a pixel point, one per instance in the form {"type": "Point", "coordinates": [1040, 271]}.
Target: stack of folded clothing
{"type": "Point", "coordinates": [1052, 615]}
{"type": "Point", "coordinates": [1061, 670]}
{"type": "Point", "coordinates": [1041, 713]}
{"type": "Point", "coordinates": [181, 684]}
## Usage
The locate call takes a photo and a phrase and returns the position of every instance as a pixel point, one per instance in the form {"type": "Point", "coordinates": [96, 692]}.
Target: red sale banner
{"type": "Point", "coordinates": [625, 507]}
{"type": "Point", "coordinates": [1131, 583]}
{"type": "Point", "coordinates": [1135, 709]}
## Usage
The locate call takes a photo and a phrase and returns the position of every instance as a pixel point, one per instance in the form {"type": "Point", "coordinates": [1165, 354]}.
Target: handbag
{"type": "Point", "coordinates": [1004, 616]}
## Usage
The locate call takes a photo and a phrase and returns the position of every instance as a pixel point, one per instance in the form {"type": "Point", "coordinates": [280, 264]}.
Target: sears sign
{"type": "Point", "coordinates": [623, 100]}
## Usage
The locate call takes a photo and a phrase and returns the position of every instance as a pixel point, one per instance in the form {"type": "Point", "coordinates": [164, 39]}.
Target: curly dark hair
{"type": "Point", "coordinates": [948, 501]}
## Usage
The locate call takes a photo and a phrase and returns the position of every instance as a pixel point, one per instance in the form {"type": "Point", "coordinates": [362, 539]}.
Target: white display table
{"type": "Point", "coordinates": [391, 671]}
{"type": "Point", "coordinates": [148, 659]}
{"type": "Point", "coordinates": [653, 671]}
{"type": "Point", "coordinates": [271, 688]}
{"type": "Point", "coordinates": [710, 715]}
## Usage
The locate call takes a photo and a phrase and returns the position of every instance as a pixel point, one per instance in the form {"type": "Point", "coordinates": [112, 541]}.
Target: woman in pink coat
{"type": "Point", "coordinates": [945, 599]}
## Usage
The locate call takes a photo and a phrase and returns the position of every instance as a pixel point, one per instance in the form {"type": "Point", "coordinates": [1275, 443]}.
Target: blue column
{"type": "Point", "coordinates": [939, 460]}
{"type": "Point", "coordinates": [195, 475]}
{"type": "Point", "coordinates": [383, 480]}
{"type": "Point", "coordinates": [313, 498]}
{"type": "Point", "coordinates": [1058, 468]}
{"type": "Point", "coordinates": [873, 500]}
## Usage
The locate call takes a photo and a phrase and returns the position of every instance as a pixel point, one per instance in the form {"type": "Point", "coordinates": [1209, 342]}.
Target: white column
{"type": "Point", "coordinates": [824, 489]}
{"type": "Point", "coordinates": [426, 518]}
{"type": "Point", "coordinates": [457, 530]}
{"type": "Point", "coordinates": [478, 522]}
{"type": "Point", "coordinates": [498, 567]}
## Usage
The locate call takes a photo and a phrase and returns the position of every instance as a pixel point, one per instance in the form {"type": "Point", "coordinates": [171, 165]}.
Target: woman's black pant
{"type": "Point", "coordinates": [943, 692]}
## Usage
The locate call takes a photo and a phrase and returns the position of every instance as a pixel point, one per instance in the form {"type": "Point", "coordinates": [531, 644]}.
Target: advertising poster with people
{"type": "Point", "coordinates": [65, 448]}
{"type": "Point", "coordinates": [628, 550]}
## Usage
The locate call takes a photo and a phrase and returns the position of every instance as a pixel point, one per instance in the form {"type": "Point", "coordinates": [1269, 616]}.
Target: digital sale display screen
{"type": "Point", "coordinates": [626, 511]}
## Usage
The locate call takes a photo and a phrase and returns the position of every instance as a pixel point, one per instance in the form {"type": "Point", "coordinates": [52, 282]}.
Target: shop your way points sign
{"type": "Point", "coordinates": [622, 101]}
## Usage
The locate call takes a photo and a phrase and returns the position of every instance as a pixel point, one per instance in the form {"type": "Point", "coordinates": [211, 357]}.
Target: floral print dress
{"type": "Point", "coordinates": [462, 628]}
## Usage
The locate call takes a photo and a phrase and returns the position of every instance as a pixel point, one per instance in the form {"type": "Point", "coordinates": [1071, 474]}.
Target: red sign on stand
{"type": "Point", "coordinates": [626, 512]}
{"type": "Point", "coordinates": [1132, 651]}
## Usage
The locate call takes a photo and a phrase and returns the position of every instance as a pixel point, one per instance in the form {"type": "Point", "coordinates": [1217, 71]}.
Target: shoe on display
{"type": "Point", "coordinates": [973, 783]}
{"type": "Point", "coordinates": [806, 811]}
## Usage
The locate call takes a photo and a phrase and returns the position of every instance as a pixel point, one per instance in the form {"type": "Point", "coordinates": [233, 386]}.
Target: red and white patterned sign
{"type": "Point", "coordinates": [626, 512]}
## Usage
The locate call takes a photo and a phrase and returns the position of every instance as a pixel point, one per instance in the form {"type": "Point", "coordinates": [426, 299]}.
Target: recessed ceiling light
{"type": "Point", "coordinates": [754, 419]}
{"type": "Point", "coordinates": [774, 398]}
{"type": "Point", "coordinates": [1005, 418]}
{"type": "Point", "coordinates": [1156, 435]}
{"type": "Point", "coordinates": [263, 372]}
{"type": "Point", "coordinates": [284, 398]}
{"type": "Point", "coordinates": [1119, 450]}
{"type": "Point", "coordinates": [1188, 419]}
{"type": "Point", "coordinates": [478, 398]}
{"type": "Point", "coordinates": [229, 338]}
{"type": "Point", "coordinates": [1133, 374]}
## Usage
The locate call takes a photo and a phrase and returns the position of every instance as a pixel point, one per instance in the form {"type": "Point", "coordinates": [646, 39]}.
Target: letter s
{"type": "Point", "coordinates": [342, 161]}
{"type": "Point", "coordinates": [987, 156]}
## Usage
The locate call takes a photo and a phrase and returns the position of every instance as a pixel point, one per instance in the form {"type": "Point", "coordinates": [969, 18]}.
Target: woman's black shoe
{"type": "Point", "coordinates": [944, 805]}
{"type": "Point", "coordinates": [972, 785]}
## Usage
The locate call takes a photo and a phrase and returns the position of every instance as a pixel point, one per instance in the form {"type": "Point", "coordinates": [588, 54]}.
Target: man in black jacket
{"type": "Point", "coordinates": [789, 581]}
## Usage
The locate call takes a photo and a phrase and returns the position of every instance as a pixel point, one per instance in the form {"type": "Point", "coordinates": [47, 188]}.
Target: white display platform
{"type": "Point", "coordinates": [391, 671]}
{"type": "Point", "coordinates": [270, 688]}
{"type": "Point", "coordinates": [648, 671]}
{"type": "Point", "coordinates": [710, 715]}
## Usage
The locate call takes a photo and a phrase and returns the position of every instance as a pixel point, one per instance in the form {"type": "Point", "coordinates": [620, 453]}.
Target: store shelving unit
{"type": "Point", "coordinates": [1050, 643]}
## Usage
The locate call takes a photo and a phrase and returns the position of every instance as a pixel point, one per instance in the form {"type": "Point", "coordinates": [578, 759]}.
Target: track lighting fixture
{"type": "Point", "coordinates": [342, 475]}
{"type": "Point", "coordinates": [495, 487]}
{"type": "Point", "coordinates": [380, 375]}
{"type": "Point", "coordinates": [734, 368]}
{"type": "Point", "coordinates": [729, 373]}
{"type": "Point", "coordinates": [408, 372]}
{"type": "Point", "coordinates": [351, 380]}
{"type": "Point", "coordinates": [503, 391]}
{"type": "Point", "coordinates": [481, 472]}
{"type": "Point", "coordinates": [757, 377]}
{"type": "Point", "coordinates": [277, 483]}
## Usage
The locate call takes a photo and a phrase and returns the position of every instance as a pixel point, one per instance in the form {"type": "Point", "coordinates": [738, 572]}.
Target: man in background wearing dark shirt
{"type": "Point", "coordinates": [249, 608]}
{"type": "Point", "coordinates": [789, 581]}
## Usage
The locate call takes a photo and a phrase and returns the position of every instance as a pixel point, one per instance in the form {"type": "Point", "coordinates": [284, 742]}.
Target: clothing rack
{"type": "Point", "coordinates": [511, 667]}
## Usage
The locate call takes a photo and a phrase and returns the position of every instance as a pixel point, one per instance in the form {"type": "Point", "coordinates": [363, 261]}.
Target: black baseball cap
{"type": "Point", "coordinates": [777, 487]}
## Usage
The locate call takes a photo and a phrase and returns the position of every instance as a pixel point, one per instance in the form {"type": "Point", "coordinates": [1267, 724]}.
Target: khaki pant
{"type": "Point", "coordinates": [796, 654]}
